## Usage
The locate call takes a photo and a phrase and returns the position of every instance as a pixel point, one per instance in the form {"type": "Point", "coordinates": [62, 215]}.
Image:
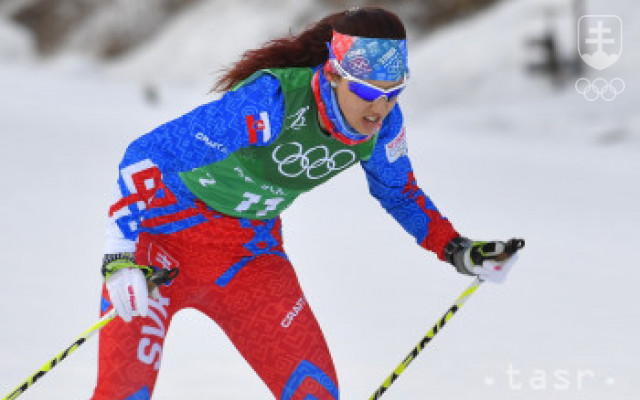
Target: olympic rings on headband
{"type": "Point", "coordinates": [600, 88]}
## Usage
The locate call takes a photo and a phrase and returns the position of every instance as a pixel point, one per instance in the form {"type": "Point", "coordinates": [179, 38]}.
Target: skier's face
{"type": "Point", "coordinates": [366, 117]}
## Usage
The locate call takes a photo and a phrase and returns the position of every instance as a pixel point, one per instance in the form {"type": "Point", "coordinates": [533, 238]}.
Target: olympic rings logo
{"type": "Point", "coordinates": [316, 162]}
{"type": "Point", "coordinates": [600, 88]}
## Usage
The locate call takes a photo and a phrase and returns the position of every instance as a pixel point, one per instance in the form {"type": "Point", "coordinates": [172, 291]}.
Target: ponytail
{"type": "Point", "coordinates": [309, 48]}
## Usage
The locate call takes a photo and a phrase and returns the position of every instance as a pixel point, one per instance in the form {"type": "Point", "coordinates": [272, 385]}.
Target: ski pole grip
{"type": "Point", "coordinates": [510, 248]}
{"type": "Point", "coordinates": [513, 245]}
{"type": "Point", "coordinates": [162, 277]}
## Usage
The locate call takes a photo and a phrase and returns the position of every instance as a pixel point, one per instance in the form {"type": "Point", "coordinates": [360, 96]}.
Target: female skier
{"type": "Point", "coordinates": [202, 194]}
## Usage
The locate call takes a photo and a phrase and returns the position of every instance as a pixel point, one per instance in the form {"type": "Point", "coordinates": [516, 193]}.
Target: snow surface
{"type": "Point", "coordinates": [501, 154]}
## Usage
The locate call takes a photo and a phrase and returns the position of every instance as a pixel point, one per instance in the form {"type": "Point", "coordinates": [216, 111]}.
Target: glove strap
{"type": "Point", "coordinates": [111, 263]}
{"type": "Point", "coordinates": [455, 245]}
{"type": "Point", "coordinates": [455, 252]}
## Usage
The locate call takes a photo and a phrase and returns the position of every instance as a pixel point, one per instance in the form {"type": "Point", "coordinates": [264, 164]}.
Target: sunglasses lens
{"type": "Point", "coordinates": [366, 93]}
{"type": "Point", "coordinates": [370, 93]}
{"type": "Point", "coordinates": [395, 93]}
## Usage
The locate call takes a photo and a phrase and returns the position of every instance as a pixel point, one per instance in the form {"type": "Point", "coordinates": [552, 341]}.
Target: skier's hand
{"type": "Point", "coordinates": [127, 285]}
{"type": "Point", "coordinates": [487, 260]}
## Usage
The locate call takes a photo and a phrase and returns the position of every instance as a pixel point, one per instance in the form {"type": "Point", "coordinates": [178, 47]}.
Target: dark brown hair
{"type": "Point", "coordinates": [309, 49]}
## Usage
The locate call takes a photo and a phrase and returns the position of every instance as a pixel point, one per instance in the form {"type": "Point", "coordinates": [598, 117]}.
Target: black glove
{"type": "Point", "coordinates": [488, 260]}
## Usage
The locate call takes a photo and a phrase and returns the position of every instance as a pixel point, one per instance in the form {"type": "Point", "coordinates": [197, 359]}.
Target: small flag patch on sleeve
{"type": "Point", "coordinates": [397, 147]}
{"type": "Point", "coordinates": [258, 128]}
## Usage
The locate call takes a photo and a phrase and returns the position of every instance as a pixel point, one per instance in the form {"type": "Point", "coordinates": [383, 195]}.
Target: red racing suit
{"type": "Point", "coordinates": [203, 193]}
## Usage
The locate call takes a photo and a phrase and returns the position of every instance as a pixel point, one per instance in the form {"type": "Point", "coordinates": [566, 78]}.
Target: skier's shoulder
{"type": "Point", "coordinates": [272, 80]}
{"type": "Point", "coordinates": [260, 83]}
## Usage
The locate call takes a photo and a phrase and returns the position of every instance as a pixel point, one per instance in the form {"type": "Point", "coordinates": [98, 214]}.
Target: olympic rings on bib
{"type": "Point", "coordinates": [600, 88]}
{"type": "Point", "coordinates": [315, 162]}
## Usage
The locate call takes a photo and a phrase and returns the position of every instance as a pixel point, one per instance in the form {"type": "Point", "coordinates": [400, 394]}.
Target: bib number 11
{"type": "Point", "coordinates": [266, 205]}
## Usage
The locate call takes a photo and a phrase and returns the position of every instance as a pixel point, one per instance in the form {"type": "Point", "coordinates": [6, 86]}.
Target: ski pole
{"type": "Point", "coordinates": [511, 247]}
{"type": "Point", "coordinates": [159, 277]}
{"type": "Point", "coordinates": [30, 381]}
{"type": "Point", "coordinates": [426, 339]}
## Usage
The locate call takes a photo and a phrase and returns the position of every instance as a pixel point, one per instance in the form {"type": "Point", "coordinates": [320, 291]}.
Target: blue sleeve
{"type": "Point", "coordinates": [250, 115]}
{"type": "Point", "coordinates": [392, 182]}
{"type": "Point", "coordinates": [149, 184]}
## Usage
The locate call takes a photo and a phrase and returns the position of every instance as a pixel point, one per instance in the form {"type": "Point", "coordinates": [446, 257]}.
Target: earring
{"type": "Point", "coordinates": [334, 84]}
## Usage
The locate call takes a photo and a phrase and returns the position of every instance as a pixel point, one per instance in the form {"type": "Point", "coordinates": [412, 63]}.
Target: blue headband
{"type": "Point", "coordinates": [370, 58]}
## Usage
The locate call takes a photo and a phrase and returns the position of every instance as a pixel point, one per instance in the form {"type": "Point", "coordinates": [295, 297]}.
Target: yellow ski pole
{"type": "Point", "coordinates": [159, 277]}
{"type": "Point", "coordinates": [426, 339]}
{"type": "Point", "coordinates": [58, 358]}
{"type": "Point", "coordinates": [512, 246]}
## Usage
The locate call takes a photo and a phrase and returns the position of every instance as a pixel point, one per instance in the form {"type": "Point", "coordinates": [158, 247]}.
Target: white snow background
{"type": "Point", "coordinates": [501, 154]}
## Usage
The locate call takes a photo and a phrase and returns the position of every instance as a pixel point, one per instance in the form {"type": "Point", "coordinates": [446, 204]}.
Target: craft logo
{"type": "Point", "coordinates": [259, 128]}
{"type": "Point", "coordinates": [293, 313]}
{"type": "Point", "coordinates": [600, 47]}
{"type": "Point", "coordinates": [210, 143]}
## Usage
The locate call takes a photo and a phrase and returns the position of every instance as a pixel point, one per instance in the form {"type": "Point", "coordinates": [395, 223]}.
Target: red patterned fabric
{"type": "Point", "coordinates": [262, 309]}
{"type": "Point", "coordinates": [340, 44]}
{"type": "Point", "coordinates": [440, 230]}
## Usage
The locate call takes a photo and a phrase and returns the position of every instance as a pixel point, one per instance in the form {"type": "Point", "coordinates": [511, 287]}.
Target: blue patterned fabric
{"type": "Point", "coordinates": [371, 58]}
{"type": "Point", "coordinates": [333, 110]}
{"type": "Point", "coordinates": [388, 181]}
{"type": "Point", "coordinates": [262, 243]}
{"type": "Point", "coordinates": [152, 197]}
{"type": "Point", "coordinates": [142, 394]}
{"type": "Point", "coordinates": [308, 370]}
